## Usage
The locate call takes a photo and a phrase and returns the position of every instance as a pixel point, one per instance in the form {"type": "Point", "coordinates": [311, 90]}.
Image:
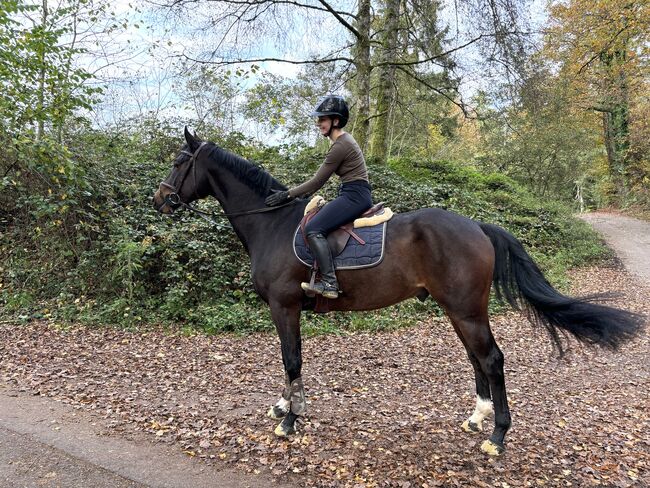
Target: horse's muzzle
{"type": "Point", "coordinates": [162, 203]}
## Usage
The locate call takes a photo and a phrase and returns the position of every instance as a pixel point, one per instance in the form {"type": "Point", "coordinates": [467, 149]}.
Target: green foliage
{"type": "Point", "coordinates": [40, 84]}
{"type": "Point", "coordinates": [126, 263]}
{"type": "Point", "coordinates": [81, 242]}
{"type": "Point", "coordinates": [114, 259]}
{"type": "Point", "coordinates": [43, 186]}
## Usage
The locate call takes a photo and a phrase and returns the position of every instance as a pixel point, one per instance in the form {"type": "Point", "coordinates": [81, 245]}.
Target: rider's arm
{"type": "Point", "coordinates": [332, 161]}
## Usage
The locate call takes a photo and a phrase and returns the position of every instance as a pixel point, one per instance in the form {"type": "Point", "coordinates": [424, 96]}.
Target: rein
{"type": "Point", "coordinates": [174, 201]}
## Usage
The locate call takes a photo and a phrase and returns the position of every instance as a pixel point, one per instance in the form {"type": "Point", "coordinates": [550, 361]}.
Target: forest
{"type": "Point", "coordinates": [513, 112]}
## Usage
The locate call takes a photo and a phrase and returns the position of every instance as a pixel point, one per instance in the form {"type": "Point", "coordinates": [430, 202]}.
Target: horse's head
{"type": "Point", "coordinates": [186, 180]}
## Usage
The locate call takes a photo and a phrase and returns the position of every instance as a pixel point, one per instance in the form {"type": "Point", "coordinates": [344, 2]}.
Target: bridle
{"type": "Point", "coordinates": [173, 200]}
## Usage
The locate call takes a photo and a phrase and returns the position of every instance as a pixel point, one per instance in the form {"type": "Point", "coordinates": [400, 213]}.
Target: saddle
{"type": "Point", "coordinates": [355, 245]}
{"type": "Point", "coordinates": [339, 238]}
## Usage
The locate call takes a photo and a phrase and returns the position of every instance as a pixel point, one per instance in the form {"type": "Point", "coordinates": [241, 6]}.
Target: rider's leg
{"type": "Point", "coordinates": [327, 286]}
{"type": "Point", "coordinates": [354, 198]}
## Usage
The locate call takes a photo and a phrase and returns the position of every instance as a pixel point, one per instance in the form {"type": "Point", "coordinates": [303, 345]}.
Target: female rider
{"type": "Point", "coordinates": [346, 160]}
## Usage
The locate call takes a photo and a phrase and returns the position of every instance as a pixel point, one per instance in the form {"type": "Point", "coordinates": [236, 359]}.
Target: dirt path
{"type": "Point", "coordinates": [82, 407]}
{"type": "Point", "coordinates": [629, 237]}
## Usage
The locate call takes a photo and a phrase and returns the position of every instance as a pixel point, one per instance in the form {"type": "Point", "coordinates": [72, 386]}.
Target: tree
{"type": "Point", "coordinates": [601, 48]}
{"type": "Point", "coordinates": [371, 45]}
{"type": "Point", "coordinates": [411, 99]}
{"type": "Point", "coordinates": [281, 106]}
{"type": "Point", "coordinates": [41, 84]}
{"type": "Point", "coordinates": [543, 140]}
{"type": "Point", "coordinates": [386, 79]}
{"type": "Point", "coordinates": [43, 88]}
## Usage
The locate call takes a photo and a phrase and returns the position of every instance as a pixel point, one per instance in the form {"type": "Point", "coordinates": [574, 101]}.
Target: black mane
{"type": "Point", "coordinates": [245, 171]}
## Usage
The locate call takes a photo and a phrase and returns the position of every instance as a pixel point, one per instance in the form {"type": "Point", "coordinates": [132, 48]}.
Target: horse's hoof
{"type": "Point", "coordinates": [283, 431]}
{"type": "Point", "coordinates": [489, 447]}
{"type": "Point", "coordinates": [276, 413]}
{"type": "Point", "coordinates": [471, 427]}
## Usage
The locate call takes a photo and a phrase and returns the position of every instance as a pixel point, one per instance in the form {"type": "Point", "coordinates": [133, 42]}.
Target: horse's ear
{"type": "Point", "coordinates": [193, 142]}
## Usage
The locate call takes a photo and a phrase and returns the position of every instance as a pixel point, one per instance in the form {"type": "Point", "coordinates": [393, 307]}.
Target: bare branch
{"type": "Point", "coordinates": [432, 58]}
{"type": "Point", "coordinates": [176, 3]}
{"type": "Point", "coordinates": [347, 25]}
{"type": "Point", "coordinates": [461, 106]}
{"type": "Point", "coordinates": [609, 44]}
{"type": "Point", "coordinates": [226, 62]}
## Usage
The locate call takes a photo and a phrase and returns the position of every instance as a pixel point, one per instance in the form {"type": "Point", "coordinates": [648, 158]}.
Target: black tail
{"type": "Point", "coordinates": [519, 281]}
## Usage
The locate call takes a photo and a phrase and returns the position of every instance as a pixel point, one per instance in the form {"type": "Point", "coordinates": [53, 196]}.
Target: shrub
{"type": "Point", "coordinates": [115, 260]}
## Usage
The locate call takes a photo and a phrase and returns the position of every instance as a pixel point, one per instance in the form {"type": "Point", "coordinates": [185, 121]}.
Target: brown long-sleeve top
{"type": "Point", "coordinates": [343, 158]}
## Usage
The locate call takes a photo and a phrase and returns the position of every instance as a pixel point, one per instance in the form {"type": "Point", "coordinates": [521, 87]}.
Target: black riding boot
{"type": "Point", "coordinates": [328, 286]}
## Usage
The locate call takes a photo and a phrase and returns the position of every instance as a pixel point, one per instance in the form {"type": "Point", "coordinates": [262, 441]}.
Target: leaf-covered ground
{"type": "Point", "coordinates": [384, 409]}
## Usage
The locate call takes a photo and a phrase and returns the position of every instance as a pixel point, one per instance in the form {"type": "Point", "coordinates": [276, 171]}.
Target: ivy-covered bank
{"type": "Point", "coordinates": [88, 246]}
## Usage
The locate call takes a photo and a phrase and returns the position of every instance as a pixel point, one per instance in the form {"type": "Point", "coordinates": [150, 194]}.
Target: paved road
{"type": "Point", "coordinates": [25, 461]}
{"type": "Point", "coordinates": [629, 237]}
{"type": "Point", "coordinates": [44, 443]}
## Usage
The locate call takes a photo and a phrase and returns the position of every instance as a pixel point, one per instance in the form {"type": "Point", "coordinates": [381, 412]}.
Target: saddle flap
{"type": "Point", "coordinates": [338, 239]}
{"type": "Point", "coordinates": [363, 247]}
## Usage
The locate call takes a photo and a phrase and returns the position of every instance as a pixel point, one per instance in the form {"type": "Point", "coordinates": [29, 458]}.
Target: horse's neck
{"type": "Point", "coordinates": [235, 196]}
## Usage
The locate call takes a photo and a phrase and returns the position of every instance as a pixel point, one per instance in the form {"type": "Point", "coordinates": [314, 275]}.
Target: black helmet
{"type": "Point", "coordinates": [333, 105]}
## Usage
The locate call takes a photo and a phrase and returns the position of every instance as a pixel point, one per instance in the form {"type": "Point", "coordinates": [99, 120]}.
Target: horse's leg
{"type": "Point", "coordinates": [483, 408]}
{"type": "Point", "coordinates": [292, 403]}
{"type": "Point", "coordinates": [487, 359]}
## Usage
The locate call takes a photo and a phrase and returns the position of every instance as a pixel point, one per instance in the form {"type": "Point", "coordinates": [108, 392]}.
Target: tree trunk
{"type": "Point", "coordinates": [616, 123]}
{"type": "Point", "coordinates": [41, 78]}
{"type": "Point", "coordinates": [386, 83]}
{"type": "Point", "coordinates": [65, 86]}
{"type": "Point", "coordinates": [616, 144]}
{"type": "Point", "coordinates": [362, 64]}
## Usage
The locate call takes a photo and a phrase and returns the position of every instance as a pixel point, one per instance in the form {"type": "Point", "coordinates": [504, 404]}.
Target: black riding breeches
{"type": "Point", "coordinates": [354, 199]}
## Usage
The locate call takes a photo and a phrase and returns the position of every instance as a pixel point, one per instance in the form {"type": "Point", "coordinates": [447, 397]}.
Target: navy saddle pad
{"type": "Point", "coordinates": [355, 255]}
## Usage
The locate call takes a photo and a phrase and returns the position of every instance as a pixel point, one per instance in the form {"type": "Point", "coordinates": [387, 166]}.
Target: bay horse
{"type": "Point", "coordinates": [428, 252]}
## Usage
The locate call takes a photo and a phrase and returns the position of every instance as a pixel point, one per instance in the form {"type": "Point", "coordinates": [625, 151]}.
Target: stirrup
{"type": "Point", "coordinates": [307, 287]}
{"type": "Point", "coordinates": [320, 288]}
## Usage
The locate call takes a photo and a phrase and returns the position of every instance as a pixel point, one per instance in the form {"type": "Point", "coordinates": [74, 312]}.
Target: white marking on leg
{"type": "Point", "coordinates": [283, 404]}
{"type": "Point", "coordinates": [280, 409]}
{"type": "Point", "coordinates": [483, 409]}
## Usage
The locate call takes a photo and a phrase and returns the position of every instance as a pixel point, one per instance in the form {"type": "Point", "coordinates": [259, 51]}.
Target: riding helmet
{"type": "Point", "coordinates": [333, 105]}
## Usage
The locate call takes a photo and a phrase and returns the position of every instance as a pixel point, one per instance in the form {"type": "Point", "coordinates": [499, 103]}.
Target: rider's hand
{"type": "Point", "coordinates": [277, 198]}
